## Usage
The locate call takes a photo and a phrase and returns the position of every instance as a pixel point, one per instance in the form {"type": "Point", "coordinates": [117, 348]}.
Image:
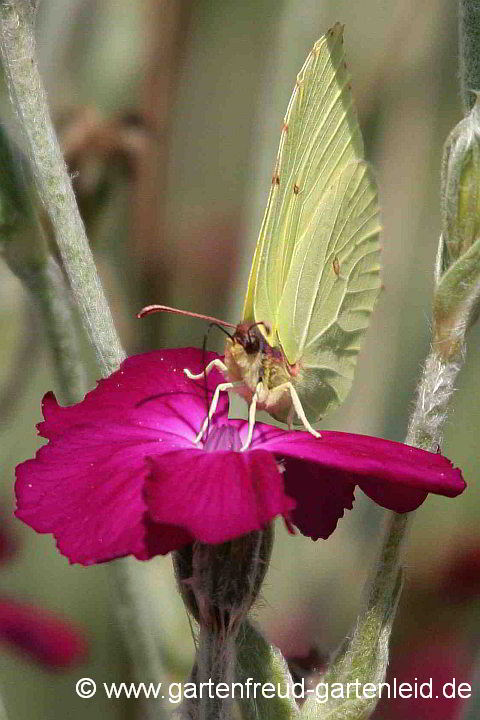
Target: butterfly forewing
{"type": "Point", "coordinates": [320, 135]}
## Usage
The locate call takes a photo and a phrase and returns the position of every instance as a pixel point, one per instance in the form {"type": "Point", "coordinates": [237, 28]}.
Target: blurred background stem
{"type": "Point", "coordinates": [166, 35]}
{"type": "Point", "coordinates": [47, 287]}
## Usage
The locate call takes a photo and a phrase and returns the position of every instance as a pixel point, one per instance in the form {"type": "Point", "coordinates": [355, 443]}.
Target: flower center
{"type": "Point", "coordinates": [224, 437]}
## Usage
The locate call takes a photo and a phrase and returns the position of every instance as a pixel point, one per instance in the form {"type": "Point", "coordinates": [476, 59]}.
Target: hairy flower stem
{"type": "Point", "coordinates": [216, 664]}
{"type": "Point", "coordinates": [364, 657]}
{"type": "Point", "coordinates": [434, 394]}
{"type": "Point", "coordinates": [55, 190]}
{"type": "Point", "coordinates": [219, 584]}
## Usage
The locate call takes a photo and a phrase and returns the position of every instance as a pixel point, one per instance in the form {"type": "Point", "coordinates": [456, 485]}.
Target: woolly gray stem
{"type": "Point", "coordinates": [55, 190]}
{"type": "Point", "coordinates": [216, 665]}
{"type": "Point", "coordinates": [469, 37]}
{"type": "Point", "coordinates": [52, 180]}
{"type": "Point", "coordinates": [434, 393]}
{"type": "Point", "coordinates": [388, 565]}
{"type": "Point", "coordinates": [219, 584]}
{"type": "Point", "coordinates": [365, 656]}
{"type": "Point", "coordinates": [226, 579]}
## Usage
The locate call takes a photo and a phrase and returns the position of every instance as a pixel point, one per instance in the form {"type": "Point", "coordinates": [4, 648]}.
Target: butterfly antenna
{"type": "Point", "coordinates": [261, 322]}
{"type": "Point", "coordinates": [150, 309]}
{"type": "Point", "coordinates": [213, 322]}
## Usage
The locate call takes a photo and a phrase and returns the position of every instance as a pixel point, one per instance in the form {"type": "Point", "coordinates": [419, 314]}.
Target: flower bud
{"type": "Point", "coordinates": [457, 292]}
{"type": "Point", "coordinates": [219, 583]}
{"type": "Point", "coordinates": [461, 187]}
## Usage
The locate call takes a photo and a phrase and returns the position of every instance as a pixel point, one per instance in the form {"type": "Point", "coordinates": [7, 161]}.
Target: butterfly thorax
{"type": "Point", "coordinates": [250, 359]}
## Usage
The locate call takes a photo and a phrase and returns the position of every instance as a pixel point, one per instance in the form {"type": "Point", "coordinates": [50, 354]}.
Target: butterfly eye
{"type": "Point", "coordinates": [252, 344]}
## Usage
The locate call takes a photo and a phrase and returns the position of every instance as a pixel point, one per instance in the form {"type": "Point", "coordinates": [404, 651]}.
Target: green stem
{"type": "Point", "coordinates": [215, 665]}
{"type": "Point", "coordinates": [219, 584]}
{"type": "Point", "coordinates": [25, 252]}
{"type": "Point", "coordinates": [388, 565]}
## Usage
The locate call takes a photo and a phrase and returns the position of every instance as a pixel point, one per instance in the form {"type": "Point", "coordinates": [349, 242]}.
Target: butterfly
{"type": "Point", "coordinates": [316, 270]}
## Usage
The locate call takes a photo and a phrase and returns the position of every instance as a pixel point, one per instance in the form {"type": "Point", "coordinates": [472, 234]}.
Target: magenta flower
{"type": "Point", "coordinates": [122, 475]}
{"type": "Point", "coordinates": [40, 634]}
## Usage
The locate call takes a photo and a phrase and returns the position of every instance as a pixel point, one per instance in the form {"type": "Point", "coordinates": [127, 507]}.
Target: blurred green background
{"type": "Point", "coordinates": [170, 113]}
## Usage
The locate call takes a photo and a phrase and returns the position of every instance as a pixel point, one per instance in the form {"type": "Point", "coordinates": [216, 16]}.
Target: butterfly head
{"type": "Point", "coordinates": [250, 338]}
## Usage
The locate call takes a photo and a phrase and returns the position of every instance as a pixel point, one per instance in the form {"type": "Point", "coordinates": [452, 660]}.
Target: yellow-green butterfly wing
{"type": "Point", "coordinates": [316, 271]}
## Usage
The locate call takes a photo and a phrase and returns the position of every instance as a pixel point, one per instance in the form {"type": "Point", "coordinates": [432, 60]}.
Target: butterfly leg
{"type": "Point", "coordinates": [291, 414]}
{"type": "Point", "coordinates": [251, 418]}
{"type": "Point", "coordinates": [215, 363]}
{"type": "Point", "coordinates": [213, 406]}
{"type": "Point", "coordinates": [297, 406]}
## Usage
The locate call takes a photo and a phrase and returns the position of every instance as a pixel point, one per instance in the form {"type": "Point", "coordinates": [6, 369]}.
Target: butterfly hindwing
{"type": "Point", "coordinates": [331, 288]}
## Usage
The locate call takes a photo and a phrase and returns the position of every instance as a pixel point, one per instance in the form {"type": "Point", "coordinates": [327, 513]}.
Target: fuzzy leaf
{"type": "Point", "coordinates": [262, 662]}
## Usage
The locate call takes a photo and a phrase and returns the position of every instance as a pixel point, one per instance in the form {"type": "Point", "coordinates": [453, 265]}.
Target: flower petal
{"type": "Point", "coordinates": [150, 390]}
{"type": "Point", "coordinates": [360, 458]}
{"type": "Point", "coordinates": [50, 640]}
{"type": "Point", "coordinates": [393, 497]}
{"type": "Point", "coordinates": [86, 487]}
{"type": "Point", "coordinates": [321, 501]}
{"type": "Point", "coordinates": [216, 496]}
